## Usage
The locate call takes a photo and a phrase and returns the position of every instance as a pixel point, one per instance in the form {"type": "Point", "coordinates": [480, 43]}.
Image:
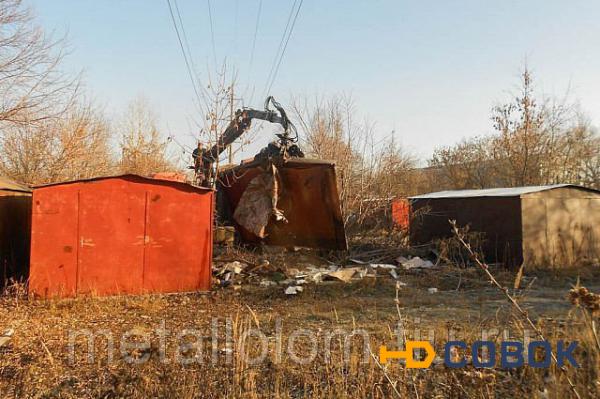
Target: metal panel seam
{"type": "Point", "coordinates": [79, 243]}
{"type": "Point", "coordinates": [211, 212]}
{"type": "Point", "coordinates": [145, 241]}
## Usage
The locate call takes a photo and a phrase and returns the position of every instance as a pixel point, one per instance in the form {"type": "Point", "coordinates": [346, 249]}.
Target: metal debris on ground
{"type": "Point", "coordinates": [383, 266]}
{"type": "Point", "coordinates": [432, 290]}
{"type": "Point", "coordinates": [228, 273]}
{"type": "Point", "coordinates": [293, 289]}
{"type": "Point", "coordinates": [414, 263]}
{"type": "Point", "coordinates": [6, 336]}
{"type": "Point", "coordinates": [344, 275]}
{"type": "Point", "coordinates": [307, 271]}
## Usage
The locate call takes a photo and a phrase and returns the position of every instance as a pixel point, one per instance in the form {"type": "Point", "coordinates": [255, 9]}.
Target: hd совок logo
{"type": "Point", "coordinates": [511, 353]}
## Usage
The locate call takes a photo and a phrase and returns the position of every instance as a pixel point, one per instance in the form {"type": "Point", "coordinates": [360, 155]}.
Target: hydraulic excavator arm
{"type": "Point", "coordinates": [205, 158]}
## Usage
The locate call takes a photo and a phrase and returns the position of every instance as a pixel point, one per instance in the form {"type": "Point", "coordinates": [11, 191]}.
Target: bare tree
{"type": "Point", "coordinates": [32, 87]}
{"type": "Point", "coordinates": [369, 175]}
{"type": "Point", "coordinates": [464, 165]}
{"type": "Point", "coordinates": [73, 147]}
{"type": "Point", "coordinates": [143, 148]}
{"type": "Point", "coordinates": [523, 140]}
{"type": "Point", "coordinates": [329, 131]}
{"type": "Point", "coordinates": [394, 177]}
{"type": "Point", "coordinates": [536, 141]}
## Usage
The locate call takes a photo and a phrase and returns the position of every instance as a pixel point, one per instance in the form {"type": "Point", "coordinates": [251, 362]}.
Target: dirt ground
{"type": "Point", "coordinates": [42, 359]}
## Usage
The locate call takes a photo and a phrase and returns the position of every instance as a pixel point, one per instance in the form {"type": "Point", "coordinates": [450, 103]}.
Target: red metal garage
{"type": "Point", "coordinates": [120, 235]}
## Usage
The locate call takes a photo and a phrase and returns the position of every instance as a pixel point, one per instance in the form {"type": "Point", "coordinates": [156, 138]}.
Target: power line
{"type": "Point", "coordinates": [287, 25]}
{"type": "Point", "coordinates": [189, 51]}
{"type": "Point", "coordinates": [212, 32]}
{"type": "Point", "coordinates": [255, 34]}
{"type": "Point", "coordinates": [254, 47]}
{"type": "Point", "coordinates": [285, 47]}
{"type": "Point", "coordinates": [185, 57]}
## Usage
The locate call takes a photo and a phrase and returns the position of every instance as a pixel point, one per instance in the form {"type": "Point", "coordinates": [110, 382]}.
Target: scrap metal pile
{"type": "Point", "coordinates": [306, 271]}
{"type": "Point", "coordinates": [279, 197]}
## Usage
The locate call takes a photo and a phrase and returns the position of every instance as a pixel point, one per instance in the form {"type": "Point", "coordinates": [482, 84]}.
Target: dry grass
{"type": "Point", "coordinates": [35, 363]}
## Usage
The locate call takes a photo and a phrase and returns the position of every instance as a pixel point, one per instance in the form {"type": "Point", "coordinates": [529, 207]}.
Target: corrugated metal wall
{"type": "Point", "coordinates": [561, 227]}
{"type": "Point", "coordinates": [120, 235]}
{"type": "Point", "coordinates": [498, 218]}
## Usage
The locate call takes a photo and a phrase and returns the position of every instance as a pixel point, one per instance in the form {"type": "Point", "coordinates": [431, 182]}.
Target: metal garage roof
{"type": "Point", "coordinates": [11, 185]}
{"type": "Point", "coordinates": [128, 176]}
{"type": "Point", "coordinates": [496, 192]}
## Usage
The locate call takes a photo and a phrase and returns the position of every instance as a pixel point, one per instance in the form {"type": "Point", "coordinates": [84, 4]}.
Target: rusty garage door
{"type": "Point", "coordinates": [120, 235]}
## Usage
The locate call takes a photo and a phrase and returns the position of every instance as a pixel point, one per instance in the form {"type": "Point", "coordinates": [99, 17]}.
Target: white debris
{"type": "Point", "coordinates": [362, 273]}
{"type": "Point", "coordinates": [394, 274]}
{"type": "Point", "coordinates": [318, 277]}
{"type": "Point", "coordinates": [293, 272]}
{"type": "Point", "coordinates": [432, 290]}
{"type": "Point", "coordinates": [414, 263]}
{"type": "Point", "coordinates": [267, 283]}
{"type": "Point", "coordinates": [383, 266]}
{"type": "Point", "coordinates": [6, 336]}
{"type": "Point", "coordinates": [293, 290]}
{"type": "Point", "coordinates": [230, 268]}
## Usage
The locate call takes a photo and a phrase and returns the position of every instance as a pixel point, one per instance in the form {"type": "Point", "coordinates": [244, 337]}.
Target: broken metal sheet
{"type": "Point", "coordinates": [6, 336]}
{"type": "Point", "coordinates": [307, 197]}
{"type": "Point", "coordinates": [346, 274]}
{"type": "Point", "coordinates": [383, 266]}
{"type": "Point", "coordinates": [258, 203]}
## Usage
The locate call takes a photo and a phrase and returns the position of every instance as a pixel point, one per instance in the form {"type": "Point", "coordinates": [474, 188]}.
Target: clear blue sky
{"type": "Point", "coordinates": [430, 70]}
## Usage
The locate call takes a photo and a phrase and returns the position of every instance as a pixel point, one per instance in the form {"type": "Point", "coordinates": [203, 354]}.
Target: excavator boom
{"type": "Point", "coordinates": [204, 159]}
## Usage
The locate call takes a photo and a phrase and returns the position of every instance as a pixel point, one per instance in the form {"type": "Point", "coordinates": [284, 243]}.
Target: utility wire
{"type": "Point", "coordinates": [185, 57]}
{"type": "Point", "coordinates": [253, 48]}
{"type": "Point", "coordinates": [189, 51]}
{"type": "Point", "coordinates": [287, 25]}
{"type": "Point", "coordinates": [285, 47]}
{"type": "Point", "coordinates": [255, 34]}
{"type": "Point", "coordinates": [212, 32]}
